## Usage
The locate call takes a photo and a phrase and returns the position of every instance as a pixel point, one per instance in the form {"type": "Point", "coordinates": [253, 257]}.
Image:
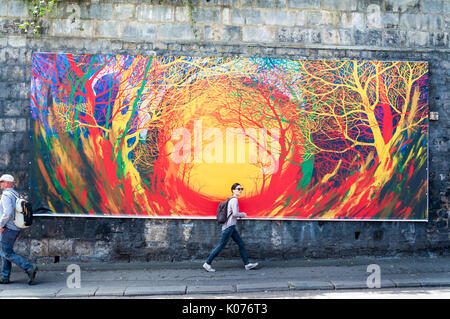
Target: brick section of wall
{"type": "Point", "coordinates": [309, 29]}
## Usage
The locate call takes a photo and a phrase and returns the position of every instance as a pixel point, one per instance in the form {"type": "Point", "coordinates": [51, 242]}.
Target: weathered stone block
{"type": "Point", "coordinates": [19, 90]}
{"type": "Point", "coordinates": [246, 3]}
{"type": "Point", "coordinates": [432, 22]}
{"type": "Point", "coordinates": [353, 20]}
{"type": "Point", "coordinates": [136, 30]}
{"type": "Point", "coordinates": [83, 248]}
{"type": "Point", "coordinates": [389, 20]}
{"type": "Point", "coordinates": [155, 13]}
{"type": "Point", "coordinates": [21, 125]}
{"type": "Point", "coordinates": [101, 11]}
{"type": "Point", "coordinates": [225, 16]}
{"type": "Point", "coordinates": [181, 14]}
{"type": "Point", "coordinates": [394, 38]}
{"type": "Point", "coordinates": [39, 247]}
{"type": "Point", "coordinates": [7, 141]}
{"type": "Point", "coordinates": [124, 11]}
{"type": "Point", "coordinates": [3, 8]}
{"type": "Point", "coordinates": [221, 33]}
{"type": "Point", "coordinates": [102, 249]}
{"type": "Point", "coordinates": [340, 4]}
{"type": "Point", "coordinates": [410, 21]}
{"type": "Point", "coordinates": [17, 41]}
{"type": "Point", "coordinates": [60, 247]}
{"type": "Point", "coordinates": [435, 6]}
{"type": "Point", "coordinates": [402, 6]}
{"type": "Point", "coordinates": [17, 73]}
{"type": "Point", "coordinates": [246, 16]}
{"type": "Point", "coordinates": [373, 16]}
{"type": "Point", "coordinates": [222, 3]}
{"type": "Point", "coordinates": [320, 18]}
{"type": "Point", "coordinates": [22, 247]}
{"type": "Point", "coordinates": [206, 15]}
{"type": "Point", "coordinates": [109, 29]}
{"type": "Point", "coordinates": [270, 3]}
{"type": "Point", "coordinates": [156, 235]}
{"type": "Point", "coordinates": [4, 93]}
{"type": "Point", "coordinates": [369, 37]}
{"type": "Point", "coordinates": [301, 18]}
{"type": "Point", "coordinates": [76, 28]}
{"type": "Point", "coordinates": [174, 32]}
{"type": "Point", "coordinates": [294, 35]}
{"type": "Point", "coordinates": [330, 37]}
{"type": "Point", "coordinates": [280, 17]}
{"type": "Point", "coordinates": [258, 34]}
{"type": "Point", "coordinates": [314, 18]}
{"type": "Point", "coordinates": [304, 4]}
{"type": "Point", "coordinates": [438, 39]}
{"type": "Point", "coordinates": [17, 9]}
{"type": "Point", "coordinates": [346, 38]}
{"type": "Point", "coordinates": [12, 125]}
{"type": "Point", "coordinates": [331, 19]}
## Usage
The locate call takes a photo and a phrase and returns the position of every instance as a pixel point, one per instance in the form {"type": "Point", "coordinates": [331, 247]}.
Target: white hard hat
{"type": "Point", "coordinates": [6, 178]}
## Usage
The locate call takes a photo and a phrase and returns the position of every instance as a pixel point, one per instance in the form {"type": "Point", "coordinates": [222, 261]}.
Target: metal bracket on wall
{"type": "Point", "coordinates": [434, 116]}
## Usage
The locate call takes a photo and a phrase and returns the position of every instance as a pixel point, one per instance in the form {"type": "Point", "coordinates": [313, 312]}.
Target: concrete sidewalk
{"type": "Point", "coordinates": [188, 278]}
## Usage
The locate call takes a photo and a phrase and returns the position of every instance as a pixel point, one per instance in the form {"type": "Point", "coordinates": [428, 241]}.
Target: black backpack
{"type": "Point", "coordinates": [222, 212]}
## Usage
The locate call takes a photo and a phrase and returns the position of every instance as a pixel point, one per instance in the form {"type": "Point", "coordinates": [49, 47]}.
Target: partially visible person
{"type": "Point", "coordinates": [9, 233]}
{"type": "Point", "coordinates": [229, 231]}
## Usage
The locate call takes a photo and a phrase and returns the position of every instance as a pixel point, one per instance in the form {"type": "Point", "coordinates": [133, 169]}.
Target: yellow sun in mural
{"type": "Point", "coordinates": [215, 147]}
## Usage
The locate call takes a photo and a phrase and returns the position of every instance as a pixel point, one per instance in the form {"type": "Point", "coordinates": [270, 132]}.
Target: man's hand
{"type": "Point", "coordinates": [2, 230]}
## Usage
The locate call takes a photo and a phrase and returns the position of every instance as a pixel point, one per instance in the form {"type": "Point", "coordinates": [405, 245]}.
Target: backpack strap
{"type": "Point", "coordinates": [12, 192]}
{"type": "Point", "coordinates": [228, 216]}
{"type": "Point", "coordinates": [34, 210]}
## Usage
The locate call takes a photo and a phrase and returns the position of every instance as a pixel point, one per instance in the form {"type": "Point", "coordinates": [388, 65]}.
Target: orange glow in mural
{"type": "Point", "coordinates": [117, 135]}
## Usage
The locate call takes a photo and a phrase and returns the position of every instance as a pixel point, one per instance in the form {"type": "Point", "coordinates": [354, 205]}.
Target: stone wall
{"type": "Point", "coordinates": [309, 29]}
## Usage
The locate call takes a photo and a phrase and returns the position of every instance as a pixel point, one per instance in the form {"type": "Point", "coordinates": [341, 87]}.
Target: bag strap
{"type": "Point", "coordinates": [34, 210]}
{"type": "Point", "coordinates": [13, 217]}
{"type": "Point", "coordinates": [228, 216]}
{"type": "Point", "coordinates": [13, 192]}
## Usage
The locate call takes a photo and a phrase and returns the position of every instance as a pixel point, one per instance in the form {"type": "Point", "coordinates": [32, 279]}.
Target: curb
{"type": "Point", "coordinates": [123, 291]}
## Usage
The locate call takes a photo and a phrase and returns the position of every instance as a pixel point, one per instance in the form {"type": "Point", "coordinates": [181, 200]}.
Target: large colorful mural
{"type": "Point", "coordinates": [118, 135]}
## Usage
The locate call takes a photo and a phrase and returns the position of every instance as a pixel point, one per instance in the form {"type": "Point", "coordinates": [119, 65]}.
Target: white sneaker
{"type": "Point", "coordinates": [250, 266]}
{"type": "Point", "coordinates": [208, 268]}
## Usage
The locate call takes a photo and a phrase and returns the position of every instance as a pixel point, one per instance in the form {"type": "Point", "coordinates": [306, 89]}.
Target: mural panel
{"type": "Point", "coordinates": [118, 135]}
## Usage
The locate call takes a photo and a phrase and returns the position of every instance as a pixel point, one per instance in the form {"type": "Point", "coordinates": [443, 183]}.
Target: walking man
{"type": "Point", "coordinates": [9, 233]}
{"type": "Point", "coordinates": [229, 231]}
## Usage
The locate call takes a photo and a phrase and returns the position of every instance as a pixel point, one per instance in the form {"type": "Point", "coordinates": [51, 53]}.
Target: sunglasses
{"type": "Point", "coordinates": [239, 189]}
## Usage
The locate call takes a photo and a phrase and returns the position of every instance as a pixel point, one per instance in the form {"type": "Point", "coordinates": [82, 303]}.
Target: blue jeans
{"type": "Point", "coordinates": [7, 240]}
{"type": "Point", "coordinates": [230, 232]}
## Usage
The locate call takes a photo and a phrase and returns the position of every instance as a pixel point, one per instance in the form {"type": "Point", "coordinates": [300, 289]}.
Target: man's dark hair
{"type": "Point", "coordinates": [233, 187]}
